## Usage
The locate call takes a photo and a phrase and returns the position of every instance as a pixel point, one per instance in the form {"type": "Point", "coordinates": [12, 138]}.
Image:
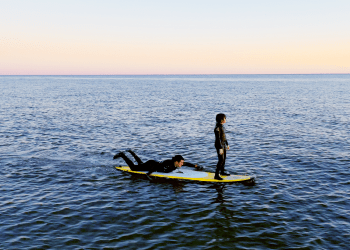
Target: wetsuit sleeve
{"type": "Point", "coordinates": [189, 164]}
{"type": "Point", "coordinates": [192, 165]}
{"type": "Point", "coordinates": [224, 133]}
{"type": "Point", "coordinates": [218, 144]}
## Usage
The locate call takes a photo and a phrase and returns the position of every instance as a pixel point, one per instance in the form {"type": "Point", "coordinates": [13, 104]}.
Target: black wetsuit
{"type": "Point", "coordinates": [166, 166]}
{"type": "Point", "coordinates": [220, 143]}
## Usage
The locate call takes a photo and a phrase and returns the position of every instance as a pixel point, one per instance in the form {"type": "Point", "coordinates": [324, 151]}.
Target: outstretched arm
{"type": "Point", "coordinates": [192, 165]}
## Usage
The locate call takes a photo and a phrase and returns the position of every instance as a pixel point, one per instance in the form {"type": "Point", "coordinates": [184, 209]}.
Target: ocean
{"type": "Point", "coordinates": [60, 190]}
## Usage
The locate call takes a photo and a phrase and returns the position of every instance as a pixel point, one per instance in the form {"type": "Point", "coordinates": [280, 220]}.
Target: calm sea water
{"type": "Point", "coordinates": [59, 189]}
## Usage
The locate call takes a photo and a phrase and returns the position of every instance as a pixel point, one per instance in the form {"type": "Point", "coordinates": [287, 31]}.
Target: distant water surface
{"type": "Point", "coordinates": [59, 189]}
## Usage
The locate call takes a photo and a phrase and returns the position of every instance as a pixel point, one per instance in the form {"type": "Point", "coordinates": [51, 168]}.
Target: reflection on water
{"type": "Point", "coordinates": [220, 191]}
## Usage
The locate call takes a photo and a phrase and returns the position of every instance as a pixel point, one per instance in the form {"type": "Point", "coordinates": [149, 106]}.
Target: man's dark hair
{"type": "Point", "coordinates": [178, 158]}
{"type": "Point", "coordinates": [220, 117]}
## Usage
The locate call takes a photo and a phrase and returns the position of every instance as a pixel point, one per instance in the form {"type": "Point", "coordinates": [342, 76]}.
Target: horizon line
{"type": "Point", "coordinates": [175, 74]}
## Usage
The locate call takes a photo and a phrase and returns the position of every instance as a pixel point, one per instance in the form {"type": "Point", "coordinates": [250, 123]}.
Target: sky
{"type": "Point", "coordinates": [145, 37]}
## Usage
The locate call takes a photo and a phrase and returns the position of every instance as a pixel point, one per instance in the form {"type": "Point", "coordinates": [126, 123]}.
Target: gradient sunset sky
{"type": "Point", "coordinates": [106, 37]}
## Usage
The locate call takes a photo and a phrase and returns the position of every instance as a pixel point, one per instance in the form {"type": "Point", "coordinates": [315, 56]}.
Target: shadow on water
{"type": "Point", "coordinates": [178, 186]}
{"type": "Point", "coordinates": [249, 183]}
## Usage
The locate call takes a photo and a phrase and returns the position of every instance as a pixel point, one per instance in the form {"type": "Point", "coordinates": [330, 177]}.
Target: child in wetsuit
{"type": "Point", "coordinates": [221, 146]}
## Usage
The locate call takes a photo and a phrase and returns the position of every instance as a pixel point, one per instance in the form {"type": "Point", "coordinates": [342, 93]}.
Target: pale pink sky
{"type": "Point", "coordinates": [174, 37]}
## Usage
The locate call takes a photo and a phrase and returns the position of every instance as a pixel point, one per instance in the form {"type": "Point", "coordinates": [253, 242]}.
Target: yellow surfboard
{"type": "Point", "coordinates": [191, 175]}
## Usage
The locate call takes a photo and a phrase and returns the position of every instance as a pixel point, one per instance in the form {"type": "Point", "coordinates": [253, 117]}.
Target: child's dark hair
{"type": "Point", "coordinates": [178, 158]}
{"type": "Point", "coordinates": [220, 117]}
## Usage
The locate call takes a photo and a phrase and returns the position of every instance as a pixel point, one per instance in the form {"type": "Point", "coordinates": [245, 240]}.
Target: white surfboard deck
{"type": "Point", "coordinates": [188, 174]}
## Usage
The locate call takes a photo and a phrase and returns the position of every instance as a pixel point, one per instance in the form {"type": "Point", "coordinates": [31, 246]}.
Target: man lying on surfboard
{"type": "Point", "coordinates": [151, 166]}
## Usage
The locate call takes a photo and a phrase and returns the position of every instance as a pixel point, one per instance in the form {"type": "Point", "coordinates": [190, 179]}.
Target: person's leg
{"type": "Point", "coordinates": [147, 166]}
{"type": "Point", "coordinates": [222, 171]}
{"type": "Point", "coordinates": [126, 159]}
{"type": "Point", "coordinates": [139, 161]}
{"type": "Point", "coordinates": [150, 165]}
{"type": "Point", "coordinates": [221, 161]}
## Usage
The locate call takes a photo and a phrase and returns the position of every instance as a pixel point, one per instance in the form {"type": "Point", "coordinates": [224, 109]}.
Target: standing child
{"type": "Point", "coordinates": [221, 146]}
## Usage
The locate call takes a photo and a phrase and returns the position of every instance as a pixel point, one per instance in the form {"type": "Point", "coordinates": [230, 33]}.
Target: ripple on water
{"type": "Point", "coordinates": [59, 188]}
